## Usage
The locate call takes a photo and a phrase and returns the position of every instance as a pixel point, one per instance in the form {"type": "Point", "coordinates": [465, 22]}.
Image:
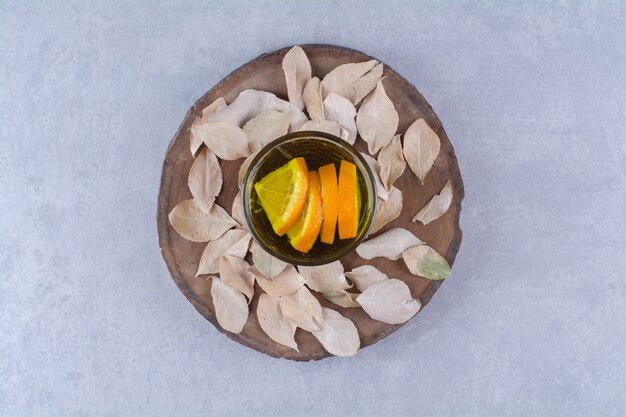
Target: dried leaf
{"type": "Point", "coordinates": [223, 139]}
{"type": "Point", "coordinates": [231, 308]}
{"type": "Point", "coordinates": [421, 147]}
{"type": "Point", "coordinates": [251, 103]}
{"type": "Point", "coordinates": [342, 298]}
{"type": "Point", "coordinates": [196, 141]}
{"type": "Point", "coordinates": [387, 210]}
{"type": "Point", "coordinates": [274, 323]}
{"type": "Point", "coordinates": [220, 221]}
{"type": "Point", "coordinates": [233, 272]}
{"type": "Point", "coordinates": [342, 111]}
{"type": "Point", "coordinates": [266, 263]}
{"type": "Point", "coordinates": [437, 205]}
{"type": "Point", "coordinates": [391, 162]}
{"type": "Point", "coordinates": [234, 242]}
{"type": "Point", "coordinates": [381, 192]}
{"type": "Point", "coordinates": [193, 223]}
{"type": "Point", "coordinates": [266, 127]}
{"type": "Point", "coordinates": [297, 69]}
{"type": "Point", "coordinates": [327, 126]}
{"type": "Point", "coordinates": [377, 119]}
{"type": "Point", "coordinates": [213, 108]}
{"type": "Point", "coordinates": [389, 301]}
{"type": "Point", "coordinates": [313, 100]}
{"type": "Point", "coordinates": [205, 179]}
{"type": "Point", "coordinates": [240, 247]}
{"type": "Point", "coordinates": [353, 81]}
{"type": "Point", "coordinates": [338, 334]}
{"type": "Point", "coordinates": [285, 283]}
{"type": "Point", "coordinates": [237, 210]}
{"type": "Point", "coordinates": [389, 244]}
{"type": "Point", "coordinates": [364, 276]}
{"type": "Point", "coordinates": [243, 168]}
{"type": "Point", "coordinates": [363, 86]}
{"type": "Point", "coordinates": [426, 262]}
{"type": "Point", "coordinates": [302, 309]}
{"type": "Point", "coordinates": [325, 278]}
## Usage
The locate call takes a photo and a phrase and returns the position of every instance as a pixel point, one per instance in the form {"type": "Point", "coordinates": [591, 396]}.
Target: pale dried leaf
{"type": "Point", "coordinates": [325, 278]}
{"type": "Point", "coordinates": [342, 111]}
{"type": "Point", "coordinates": [243, 168]}
{"type": "Point", "coordinates": [297, 69]}
{"type": "Point", "coordinates": [389, 244]}
{"type": "Point", "coordinates": [266, 127]}
{"type": "Point", "coordinates": [391, 161]}
{"type": "Point", "coordinates": [389, 301]}
{"type": "Point", "coordinates": [240, 247]}
{"type": "Point", "coordinates": [225, 140]}
{"type": "Point", "coordinates": [358, 90]}
{"type": "Point", "coordinates": [193, 223]}
{"type": "Point", "coordinates": [205, 179]}
{"type": "Point", "coordinates": [426, 262]}
{"type": "Point", "coordinates": [344, 134]}
{"type": "Point", "coordinates": [274, 323]}
{"type": "Point", "coordinates": [338, 334]}
{"type": "Point", "coordinates": [381, 191]}
{"type": "Point", "coordinates": [194, 140]}
{"type": "Point", "coordinates": [250, 103]}
{"type": "Point", "coordinates": [266, 263]}
{"type": "Point", "coordinates": [421, 147]}
{"type": "Point", "coordinates": [220, 221]}
{"type": "Point", "coordinates": [387, 210]}
{"type": "Point", "coordinates": [313, 100]}
{"type": "Point", "coordinates": [327, 126]}
{"type": "Point", "coordinates": [231, 308]}
{"type": "Point", "coordinates": [237, 210]}
{"type": "Point", "coordinates": [342, 298]}
{"type": "Point", "coordinates": [234, 242]}
{"type": "Point", "coordinates": [213, 108]}
{"type": "Point", "coordinates": [437, 205]}
{"type": "Point", "coordinates": [353, 81]}
{"type": "Point", "coordinates": [285, 283]}
{"type": "Point", "coordinates": [364, 276]}
{"type": "Point", "coordinates": [302, 309]}
{"type": "Point", "coordinates": [377, 119]}
{"type": "Point", "coordinates": [233, 272]}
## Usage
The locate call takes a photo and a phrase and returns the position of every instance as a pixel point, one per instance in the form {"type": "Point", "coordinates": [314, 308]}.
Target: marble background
{"type": "Point", "coordinates": [533, 321]}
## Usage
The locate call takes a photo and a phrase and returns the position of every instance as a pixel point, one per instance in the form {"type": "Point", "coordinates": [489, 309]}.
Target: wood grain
{"type": "Point", "coordinates": [265, 73]}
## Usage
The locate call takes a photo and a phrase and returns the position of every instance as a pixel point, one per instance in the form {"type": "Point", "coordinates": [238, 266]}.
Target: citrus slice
{"type": "Point", "coordinates": [283, 194]}
{"type": "Point", "coordinates": [328, 180]}
{"type": "Point", "coordinates": [303, 234]}
{"type": "Point", "coordinates": [349, 205]}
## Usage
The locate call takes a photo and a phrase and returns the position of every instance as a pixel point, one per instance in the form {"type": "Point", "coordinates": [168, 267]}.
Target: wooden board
{"type": "Point", "coordinates": [265, 73]}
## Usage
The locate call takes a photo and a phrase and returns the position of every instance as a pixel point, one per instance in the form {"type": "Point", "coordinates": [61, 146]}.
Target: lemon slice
{"type": "Point", "coordinates": [330, 202]}
{"type": "Point", "coordinates": [283, 194]}
{"type": "Point", "coordinates": [349, 201]}
{"type": "Point", "coordinates": [304, 233]}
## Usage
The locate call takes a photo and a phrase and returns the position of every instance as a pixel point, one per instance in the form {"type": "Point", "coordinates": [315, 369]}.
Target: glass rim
{"type": "Point", "coordinates": [245, 196]}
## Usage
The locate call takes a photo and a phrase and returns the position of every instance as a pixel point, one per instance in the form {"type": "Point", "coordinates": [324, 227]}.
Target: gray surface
{"type": "Point", "coordinates": [533, 321]}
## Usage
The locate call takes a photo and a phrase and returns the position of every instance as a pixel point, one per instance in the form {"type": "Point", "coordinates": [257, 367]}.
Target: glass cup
{"type": "Point", "coordinates": [318, 149]}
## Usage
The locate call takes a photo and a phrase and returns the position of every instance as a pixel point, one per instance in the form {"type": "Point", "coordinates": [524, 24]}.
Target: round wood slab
{"type": "Point", "coordinates": [265, 73]}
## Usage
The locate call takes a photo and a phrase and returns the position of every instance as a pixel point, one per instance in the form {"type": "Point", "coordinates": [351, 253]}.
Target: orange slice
{"type": "Point", "coordinates": [349, 206]}
{"type": "Point", "coordinates": [330, 201]}
{"type": "Point", "coordinates": [303, 234]}
{"type": "Point", "coordinates": [283, 194]}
